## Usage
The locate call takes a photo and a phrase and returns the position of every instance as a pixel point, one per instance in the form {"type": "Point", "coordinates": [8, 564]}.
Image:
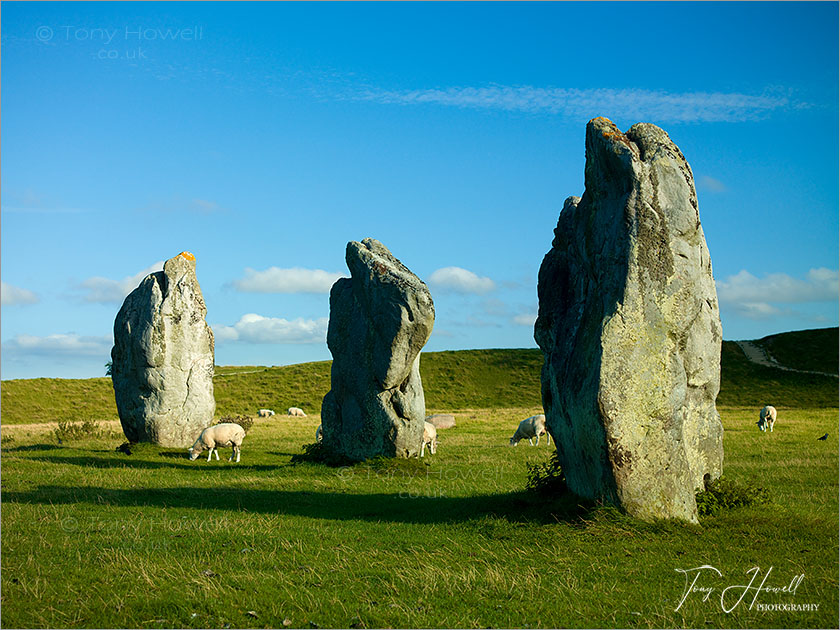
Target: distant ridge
{"type": "Point", "coordinates": [452, 380]}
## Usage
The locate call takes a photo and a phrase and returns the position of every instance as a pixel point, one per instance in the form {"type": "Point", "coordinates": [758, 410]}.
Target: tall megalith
{"type": "Point", "coordinates": [163, 358]}
{"type": "Point", "coordinates": [630, 330]}
{"type": "Point", "coordinates": [380, 319]}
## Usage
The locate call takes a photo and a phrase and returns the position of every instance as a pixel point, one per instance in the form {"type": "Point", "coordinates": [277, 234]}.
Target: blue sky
{"type": "Point", "coordinates": [263, 137]}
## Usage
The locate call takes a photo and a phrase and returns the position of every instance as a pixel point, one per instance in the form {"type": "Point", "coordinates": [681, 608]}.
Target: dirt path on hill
{"type": "Point", "coordinates": [757, 354]}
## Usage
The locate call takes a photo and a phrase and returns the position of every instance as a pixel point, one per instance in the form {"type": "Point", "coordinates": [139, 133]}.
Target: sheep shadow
{"type": "Point", "coordinates": [402, 507]}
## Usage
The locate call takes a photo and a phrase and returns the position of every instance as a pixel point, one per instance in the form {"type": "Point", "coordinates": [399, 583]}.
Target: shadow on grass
{"type": "Point", "coordinates": [30, 448]}
{"type": "Point", "coordinates": [176, 461]}
{"type": "Point", "coordinates": [404, 507]}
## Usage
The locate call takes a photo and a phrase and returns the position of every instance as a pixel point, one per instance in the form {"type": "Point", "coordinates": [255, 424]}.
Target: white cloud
{"type": "Point", "coordinates": [755, 298]}
{"type": "Point", "coordinates": [294, 280]}
{"type": "Point", "coordinates": [104, 290]}
{"type": "Point", "coordinates": [458, 280]}
{"type": "Point", "coordinates": [711, 184]}
{"type": "Point", "coordinates": [11, 295]}
{"type": "Point", "coordinates": [69, 344]}
{"type": "Point", "coordinates": [253, 328]}
{"type": "Point", "coordinates": [759, 310]}
{"type": "Point", "coordinates": [205, 206]}
{"type": "Point", "coordinates": [820, 285]}
{"type": "Point", "coordinates": [525, 319]}
{"type": "Point", "coordinates": [576, 104]}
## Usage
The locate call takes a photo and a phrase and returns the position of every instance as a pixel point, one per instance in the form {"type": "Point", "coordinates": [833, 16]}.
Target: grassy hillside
{"type": "Point", "coordinates": [805, 349]}
{"type": "Point", "coordinates": [468, 379]}
{"type": "Point", "coordinates": [56, 399]}
{"type": "Point", "coordinates": [744, 383]}
{"type": "Point", "coordinates": [243, 391]}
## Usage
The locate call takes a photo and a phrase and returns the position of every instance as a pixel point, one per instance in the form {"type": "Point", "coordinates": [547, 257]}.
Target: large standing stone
{"type": "Point", "coordinates": [629, 326]}
{"type": "Point", "coordinates": [380, 319]}
{"type": "Point", "coordinates": [162, 360]}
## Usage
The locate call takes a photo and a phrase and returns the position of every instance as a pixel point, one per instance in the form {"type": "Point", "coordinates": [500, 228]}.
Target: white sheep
{"type": "Point", "coordinates": [265, 413]}
{"type": "Point", "coordinates": [430, 438]}
{"type": "Point", "coordinates": [767, 418]}
{"type": "Point", "coordinates": [319, 433]}
{"type": "Point", "coordinates": [532, 427]}
{"type": "Point", "coordinates": [225, 434]}
{"type": "Point", "coordinates": [296, 411]}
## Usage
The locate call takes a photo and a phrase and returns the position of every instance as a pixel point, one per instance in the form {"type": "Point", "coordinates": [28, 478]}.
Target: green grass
{"type": "Point", "coordinates": [467, 379]}
{"type": "Point", "coordinates": [747, 383]}
{"type": "Point", "coordinates": [95, 538]}
{"type": "Point", "coordinates": [56, 399]}
{"type": "Point", "coordinates": [814, 350]}
{"type": "Point", "coordinates": [473, 379]}
{"type": "Point", "coordinates": [303, 385]}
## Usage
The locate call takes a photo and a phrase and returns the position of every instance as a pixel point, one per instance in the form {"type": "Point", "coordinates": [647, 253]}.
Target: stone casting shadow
{"type": "Point", "coordinates": [283, 453]}
{"type": "Point", "coordinates": [30, 448]}
{"type": "Point", "coordinates": [403, 507]}
{"type": "Point", "coordinates": [127, 461]}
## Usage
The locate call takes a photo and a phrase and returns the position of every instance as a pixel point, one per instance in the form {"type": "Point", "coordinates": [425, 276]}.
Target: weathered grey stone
{"type": "Point", "coordinates": [442, 420]}
{"type": "Point", "coordinates": [380, 319]}
{"type": "Point", "coordinates": [630, 329]}
{"type": "Point", "coordinates": [162, 359]}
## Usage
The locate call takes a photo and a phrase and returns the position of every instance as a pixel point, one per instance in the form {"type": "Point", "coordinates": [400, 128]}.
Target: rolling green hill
{"type": "Point", "coordinates": [466, 379]}
{"type": "Point", "coordinates": [805, 349]}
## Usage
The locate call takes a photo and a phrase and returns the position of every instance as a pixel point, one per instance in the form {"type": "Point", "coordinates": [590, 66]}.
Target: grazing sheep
{"type": "Point", "coordinates": [532, 427]}
{"type": "Point", "coordinates": [767, 418]}
{"type": "Point", "coordinates": [296, 411]}
{"type": "Point", "coordinates": [430, 438]}
{"type": "Point", "coordinates": [265, 413]}
{"type": "Point", "coordinates": [319, 433]}
{"type": "Point", "coordinates": [225, 434]}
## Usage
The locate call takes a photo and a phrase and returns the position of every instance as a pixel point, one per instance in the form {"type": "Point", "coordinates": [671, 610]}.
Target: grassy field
{"type": "Point", "coordinates": [92, 537]}
{"type": "Point", "coordinates": [95, 538]}
{"type": "Point", "coordinates": [468, 379]}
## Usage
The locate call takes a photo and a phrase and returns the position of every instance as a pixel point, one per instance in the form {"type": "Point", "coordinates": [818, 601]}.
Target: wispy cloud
{"type": "Point", "coordinates": [69, 344]}
{"type": "Point", "coordinates": [704, 182]}
{"type": "Point", "coordinates": [583, 104]}
{"type": "Point", "coordinates": [458, 280]}
{"type": "Point", "coordinates": [105, 290]}
{"type": "Point", "coordinates": [756, 298]}
{"type": "Point", "coordinates": [203, 205]}
{"type": "Point", "coordinates": [43, 210]}
{"type": "Point", "coordinates": [525, 319]}
{"type": "Point", "coordinates": [29, 201]}
{"type": "Point", "coordinates": [178, 204]}
{"type": "Point", "coordinates": [13, 296]}
{"type": "Point", "coordinates": [253, 328]}
{"type": "Point", "coordinates": [294, 280]}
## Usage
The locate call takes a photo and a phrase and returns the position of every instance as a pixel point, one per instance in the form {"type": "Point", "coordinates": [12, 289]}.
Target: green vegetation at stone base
{"type": "Point", "coordinates": [726, 494]}
{"type": "Point", "coordinates": [720, 494]}
{"type": "Point", "coordinates": [93, 537]}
